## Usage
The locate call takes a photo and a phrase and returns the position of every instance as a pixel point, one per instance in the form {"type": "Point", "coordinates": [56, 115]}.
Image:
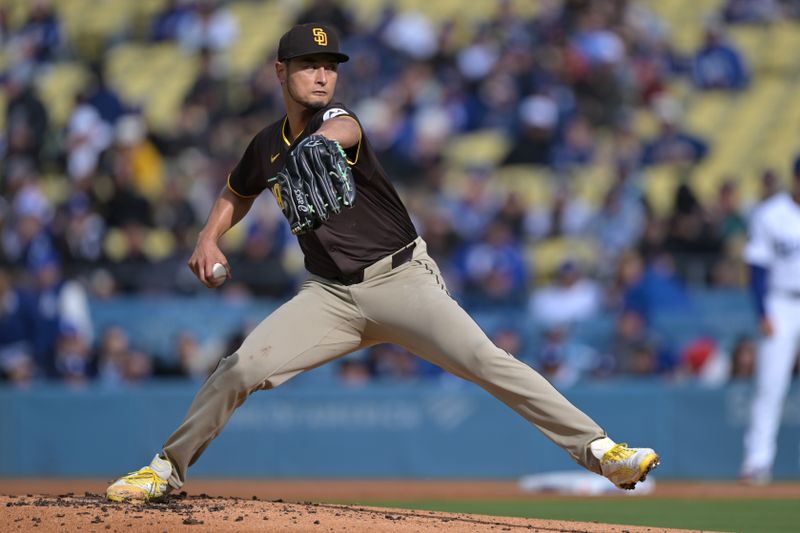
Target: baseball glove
{"type": "Point", "coordinates": [315, 183]}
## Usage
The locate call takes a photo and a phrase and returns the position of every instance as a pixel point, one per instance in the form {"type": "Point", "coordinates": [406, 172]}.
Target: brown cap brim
{"type": "Point", "coordinates": [340, 58]}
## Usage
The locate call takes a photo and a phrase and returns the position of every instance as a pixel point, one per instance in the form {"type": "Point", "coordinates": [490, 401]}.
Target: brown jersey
{"type": "Point", "coordinates": [378, 223]}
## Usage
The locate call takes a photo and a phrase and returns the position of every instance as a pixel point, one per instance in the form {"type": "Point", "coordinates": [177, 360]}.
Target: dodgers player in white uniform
{"type": "Point", "coordinates": [773, 255]}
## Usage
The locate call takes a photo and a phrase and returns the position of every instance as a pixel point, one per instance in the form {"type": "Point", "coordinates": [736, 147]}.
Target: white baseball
{"type": "Point", "coordinates": [218, 272]}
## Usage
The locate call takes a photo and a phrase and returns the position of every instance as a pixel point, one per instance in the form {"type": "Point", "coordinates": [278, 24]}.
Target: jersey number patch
{"type": "Point", "coordinates": [276, 190]}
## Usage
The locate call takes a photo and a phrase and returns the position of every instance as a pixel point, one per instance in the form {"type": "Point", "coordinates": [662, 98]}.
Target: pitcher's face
{"type": "Point", "coordinates": [309, 80]}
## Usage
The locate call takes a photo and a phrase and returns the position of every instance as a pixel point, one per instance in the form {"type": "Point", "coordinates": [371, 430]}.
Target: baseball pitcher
{"type": "Point", "coordinates": [370, 281]}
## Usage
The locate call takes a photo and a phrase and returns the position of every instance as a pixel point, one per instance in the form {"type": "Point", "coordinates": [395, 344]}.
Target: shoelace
{"type": "Point", "coordinates": [620, 452]}
{"type": "Point", "coordinates": [145, 474]}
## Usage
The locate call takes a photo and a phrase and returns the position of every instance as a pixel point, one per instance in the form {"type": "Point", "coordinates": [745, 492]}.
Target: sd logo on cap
{"type": "Point", "coordinates": [320, 37]}
{"type": "Point", "coordinates": [307, 39]}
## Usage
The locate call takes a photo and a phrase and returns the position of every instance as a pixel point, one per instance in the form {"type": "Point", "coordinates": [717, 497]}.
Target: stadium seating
{"type": "Point", "coordinates": [482, 148]}
{"type": "Point", "coordinates": [160, 87]}
{"type": "Point", "coordinates": [747, 131]}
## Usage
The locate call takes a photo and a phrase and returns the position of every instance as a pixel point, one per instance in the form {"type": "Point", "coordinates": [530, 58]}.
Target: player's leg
{"type": "Point", "coordinates": [776, 356]}
{"type": "Point", "coordinates": [410, 307]}
{"type": "Point", "coordinates": [319, 324]}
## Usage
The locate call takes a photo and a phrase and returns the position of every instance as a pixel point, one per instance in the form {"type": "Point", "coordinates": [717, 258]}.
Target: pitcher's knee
{"type": "Point", "coordinates": [235, 374]}
{"type": "Point", "coordinates": [245, 373]}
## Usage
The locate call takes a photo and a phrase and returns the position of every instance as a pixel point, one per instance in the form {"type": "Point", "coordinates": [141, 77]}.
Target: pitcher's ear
{"type": "Point", "coordinates": [281, 68]}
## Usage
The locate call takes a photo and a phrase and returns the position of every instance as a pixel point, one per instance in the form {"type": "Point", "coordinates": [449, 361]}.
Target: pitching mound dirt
{"type": "Point", "coordinates": [92, 513]}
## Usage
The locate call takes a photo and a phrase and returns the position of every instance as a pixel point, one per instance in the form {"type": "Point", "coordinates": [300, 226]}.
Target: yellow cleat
{"type": "Point", "coordinates": [626, 467]}
{"type": "Point", "coordinates": [145, 485]}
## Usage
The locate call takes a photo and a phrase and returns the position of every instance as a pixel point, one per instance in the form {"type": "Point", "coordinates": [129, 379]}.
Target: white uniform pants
{"type": "Point", "coordinates": [776, 358]}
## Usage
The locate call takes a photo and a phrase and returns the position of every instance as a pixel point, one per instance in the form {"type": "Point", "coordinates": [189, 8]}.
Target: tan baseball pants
{"type": "Point", "coordinates": [408, 306]}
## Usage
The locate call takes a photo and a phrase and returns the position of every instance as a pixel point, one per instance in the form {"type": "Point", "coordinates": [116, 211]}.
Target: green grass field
{"type": "Point", "coordinates": [756, 515]}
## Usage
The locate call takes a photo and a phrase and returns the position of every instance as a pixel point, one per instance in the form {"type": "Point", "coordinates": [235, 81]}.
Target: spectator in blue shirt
{"type": "Point", "coordinates": [719, 64]}
{"type": "Point", "coordinates": [42, 31]}
{"type": "Point", "coordinates": [104, 98]}
{"type": "Point", "coordinates": [166, 23]}
{"type": "Point", "coordinates": [653, 287]}
{"type": "Point", "coordinates": [17, 322]}
{"type": "Point", "coordinates": [674, 145]}
{"type": "Point", "coordinates": [493, 269]}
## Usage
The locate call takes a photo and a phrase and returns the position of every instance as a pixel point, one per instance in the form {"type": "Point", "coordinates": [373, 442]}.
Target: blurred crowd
{"type": "Point", "coordinates": [106, 206]}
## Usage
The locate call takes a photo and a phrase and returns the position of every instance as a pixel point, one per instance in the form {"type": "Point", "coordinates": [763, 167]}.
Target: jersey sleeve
{"type": "Point", "coordinates": [336, 110]}
{"type": "Point", "coordinates": [247, 178]}
{"type": "Point", "coordinates": [759, 249]}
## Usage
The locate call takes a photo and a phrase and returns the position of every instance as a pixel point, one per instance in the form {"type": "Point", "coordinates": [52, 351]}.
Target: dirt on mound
{"type": "Point", "coordinates": [93, 513]}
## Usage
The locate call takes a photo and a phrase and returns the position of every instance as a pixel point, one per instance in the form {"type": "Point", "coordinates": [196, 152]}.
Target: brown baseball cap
{"type": "Point", "coordinates": [307, 39]}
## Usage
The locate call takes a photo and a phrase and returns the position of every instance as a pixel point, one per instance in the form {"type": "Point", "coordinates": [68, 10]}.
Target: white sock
{"type": "Point", "coordinates": [162, 467]}
{"type": "Point", "coordinates": [599, 447]}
